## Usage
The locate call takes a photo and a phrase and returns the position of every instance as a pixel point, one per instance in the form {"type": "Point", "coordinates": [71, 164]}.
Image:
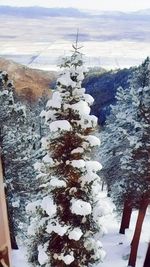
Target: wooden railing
{"type": "Point", "coordinates": [5, 247]}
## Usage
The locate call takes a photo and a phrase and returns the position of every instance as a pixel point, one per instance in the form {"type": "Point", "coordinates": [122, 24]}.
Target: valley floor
{"type": "Point", "coordinates": [117, 246]}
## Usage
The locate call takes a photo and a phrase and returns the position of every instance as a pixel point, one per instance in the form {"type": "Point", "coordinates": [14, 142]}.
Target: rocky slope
{"type": "Point", "coordinates": [29, 83]}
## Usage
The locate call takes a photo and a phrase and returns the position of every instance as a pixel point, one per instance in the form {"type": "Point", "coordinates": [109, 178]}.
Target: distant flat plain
{"type": "Point", "coordinates": [113, 40]}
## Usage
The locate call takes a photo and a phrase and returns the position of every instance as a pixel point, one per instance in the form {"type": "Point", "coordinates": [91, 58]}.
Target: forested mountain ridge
{"type": "Point", "coordinates": [102, 86]}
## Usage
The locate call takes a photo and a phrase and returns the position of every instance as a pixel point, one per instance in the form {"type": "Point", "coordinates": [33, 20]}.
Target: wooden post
{"type": "Point", "coordinates": [126, 216]}
{"type": "Point", "coordinates": [5, 246]}
{"type": "Point", "coordinates": [137, 233]}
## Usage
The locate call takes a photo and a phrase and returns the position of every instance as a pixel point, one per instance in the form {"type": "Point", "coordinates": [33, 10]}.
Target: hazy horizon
{"type": "Point", "coordinates": [110, 41]}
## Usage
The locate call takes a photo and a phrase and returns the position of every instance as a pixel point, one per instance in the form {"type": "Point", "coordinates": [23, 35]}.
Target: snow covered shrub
{"type": "Point", "coordinates": [64, 220]}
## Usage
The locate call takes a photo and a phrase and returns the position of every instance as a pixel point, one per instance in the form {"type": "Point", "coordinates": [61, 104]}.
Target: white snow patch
{"type": "Point", "coordinates": [32, 228]}
{"type": "Point", "coordinates": [78, 92]}
{"type": "Point", "coordinates": [43, 114]}
{"type": "Point", "coordinates": [81, 107]}
{"type": "Point", "coordinates": [75, 234]}
{"type": "Point", "coordinates": [66, 80]}
{"type": "Point", "coordinates": [80, 207]}
{"type": "Point", "coordinates": [42, 256]}
{"type": "Point", "coordinates": [88, 121]}
{"type": "Point", "coordinates": [48, 206]}
{"type": "Point", "coordinates": [55, 102]}
{"type": "Point", "coordinates": [32, 206]}
{"type": "Point", "coordinates": [88, 178]}
{"type": "Point", "coordinates": [60, 125]}
{"type": "Point", "coordinates": [79, 150]}
{"type": "Point", "coordinates": [89, 99]}
{"type": "Point", "coordinates": [54, 226]}
{"type": "Point", "coordinates": [44, 142]}
{"type": "Point", "coordinates": [93, 140]}
{"type": "Point", "coordinates": [68, 259]}
{"type": "Point", "coordinates": [93, 166]}
{"type": "Point", "coordinates": [50, 116]}
{"type": "Point", "coordinates": [79, 164]}
{"type": "Point", "coordinates": [48, 159]}
{"type": "Point", "coordinates": [55, 182]}
{"type": "Point", "coordinates": [16, 204]}
{"type": "Point", "coordinates": [37, 166]}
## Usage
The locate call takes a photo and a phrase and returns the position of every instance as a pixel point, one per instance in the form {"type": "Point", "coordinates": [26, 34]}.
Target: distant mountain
{"type": "Point", "coordinates": [143, 12]}
{"type": "Point", "coordinates": [36, 12]}
{"type": "Point", "coordinates": [120, 14]}
{"type": "Point", "coordinates": [30, 84]}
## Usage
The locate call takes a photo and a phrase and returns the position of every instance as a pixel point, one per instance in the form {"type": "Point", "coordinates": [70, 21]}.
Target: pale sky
{"type": "Point", "coordinates": [121, 5]}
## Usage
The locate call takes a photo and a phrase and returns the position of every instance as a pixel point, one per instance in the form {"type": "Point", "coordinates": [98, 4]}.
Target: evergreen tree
{"type": "Point", "coordinates": [113, 146]}
{"type": "Point", "coordinates": [19, 149]}
{"type": "Point", "coordinates": [8, 115]}
{"type": "Point", "coordinates": [17, 142]}
{"type": "Point", "coordinates": [139, 153]}
{"type": "Point", "coordinates": [128, 131]}
{"type": "Point", "coordinates": [126, 154]}
{"type": "Point", "coordinates": [141, 77]}
{"type": "Point", "coordinates": [65, 215]}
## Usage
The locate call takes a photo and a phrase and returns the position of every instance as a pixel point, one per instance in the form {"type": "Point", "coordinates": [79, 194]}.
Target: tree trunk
{"type": "Point", "coordinates": [147, 259]}
{"type": "Point", "coordinates": [11, 224]}
{"type": "Point", "coordinates": [126, 216]}
{"type": "Point", "coordinates": [11, 227]}
{"type": "Point", "coordinates": [10, 211]}
{"type": "Point", "coordinates": [108, 191]}
{"type": "Point", "coordinates": [12, 232]}
{"type": "Point", "coordinates": [13, 242]}
{"type": "Point", "coordinates": [103, 183]}
{"type": "Point", "coordinates": [137, 233]}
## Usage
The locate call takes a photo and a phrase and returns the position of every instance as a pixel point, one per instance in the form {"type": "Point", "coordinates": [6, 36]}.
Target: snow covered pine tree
{"type": "Point", "coordinates": [9, 113]}
{"type": "Point", "coordinates": [126, 158]}
{"type": "Point", "coordinates": [65, 217]}
{"type": "Point", "coordinates": [17, 139]}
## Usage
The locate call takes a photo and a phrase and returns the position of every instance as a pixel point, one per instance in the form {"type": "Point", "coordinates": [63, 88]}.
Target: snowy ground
{"type": "Point", "coordinates": [116, 246]}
